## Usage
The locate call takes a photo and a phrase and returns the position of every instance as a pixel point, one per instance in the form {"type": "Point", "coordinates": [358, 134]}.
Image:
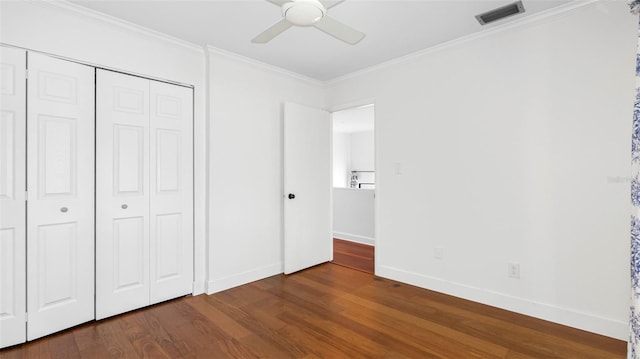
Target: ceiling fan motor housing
{"type": "Point", "coordinates": [303, 12]}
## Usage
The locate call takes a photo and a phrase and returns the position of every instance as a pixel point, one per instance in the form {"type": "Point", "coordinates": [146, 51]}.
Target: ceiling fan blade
{"type": "Point", "coordinates": [279, 2]}
{"type": "Point", "coordinates": [334, 4]}
{"type": "Point", "coordinates": [275, 30]}
{"type": "Point", "coordinates": [339, 30]}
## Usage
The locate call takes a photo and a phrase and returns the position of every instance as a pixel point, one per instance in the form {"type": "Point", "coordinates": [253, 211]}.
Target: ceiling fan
{"type": "Point", "coordinates": [309, 13]}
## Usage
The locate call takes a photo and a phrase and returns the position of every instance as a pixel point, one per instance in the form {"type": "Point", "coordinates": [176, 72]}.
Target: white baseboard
{"type": "Point", "coordinates": [220, 284]}
{"type": "Point", "coordinates": [354, 238]}
{"type": "Point", "coordinates": [198, 287]}
{"type": "Point", "coordinates": [585, 321]}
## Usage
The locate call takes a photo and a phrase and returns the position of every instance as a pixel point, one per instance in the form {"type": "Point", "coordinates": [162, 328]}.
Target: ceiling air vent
{"type": "Point", "coordinates": [500, 13]}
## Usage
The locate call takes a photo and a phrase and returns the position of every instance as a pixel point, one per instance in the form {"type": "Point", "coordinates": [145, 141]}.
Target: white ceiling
{"type": "Point", "coordinates": [394, 28]}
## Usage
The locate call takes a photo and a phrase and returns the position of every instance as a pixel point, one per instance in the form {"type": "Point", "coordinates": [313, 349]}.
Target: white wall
{"type": "Point", "coordinates": [353, 152]}
{"type": "Point", "coordinates": [362, 151]}
{"type": "Point", "coordinates": [341, 159]}
{"type": "Point", "coordinates": [353, 215]}
{"type": "Point", "coordinates": [246, 138]}
{"type": "Point", "coordinates": [507, 146]}
{"type": "Point", "coordinates": [66, 31]}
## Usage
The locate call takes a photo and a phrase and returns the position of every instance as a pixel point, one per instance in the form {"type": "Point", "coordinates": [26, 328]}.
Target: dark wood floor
{"type": "Point", "coordinates": [353, 255]}
{"type": "Point", "coordinates": [328, 311]}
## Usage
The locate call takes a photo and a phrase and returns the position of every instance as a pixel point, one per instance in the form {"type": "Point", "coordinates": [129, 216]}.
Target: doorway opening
{"type": "Point", "coordinates": [354, 183]}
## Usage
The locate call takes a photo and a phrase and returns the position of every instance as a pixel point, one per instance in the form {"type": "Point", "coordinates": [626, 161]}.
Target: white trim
{"type": "Point", "coordinates": [543, 15]}
{"type": "Point", "coordinates": [553, 313]}
{"type": "Point", "coordinates": [353, 104]}
{"type": "Point", "coordinates": [263, 65]}
{"type": "Point", "coordinates": [81, 10]}
{"type": "Point", "coordinates": [355, 238]}
{"type": "Point", "coordinates": [97, 66]}
{"type": "Point", "coordinates": [548, 14]}
{"type": "Point", "coordinates": [207, 190]}
{"type": "Point", "coordinates": [198, 288]}
{"type": "Point", "coordinates": [218, 285]}
{"type": "Point", "coordinates": [200, 184]}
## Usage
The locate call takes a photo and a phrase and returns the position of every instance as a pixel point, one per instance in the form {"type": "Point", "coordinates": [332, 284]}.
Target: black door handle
{"type": "Point", "coordinates": [292, 196]}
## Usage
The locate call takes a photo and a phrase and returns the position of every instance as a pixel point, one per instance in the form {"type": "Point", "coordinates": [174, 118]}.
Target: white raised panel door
{"type": "Point", "coordinates": [122, 193]}
{"type": "Point", "coordinates": [60, 182]}
{"type": "Point", "coordinates": [307, 176]}
{"type": "Point", "coordinates": [171, 185]}
{"type": "Point", "coordinates": [12, 196]}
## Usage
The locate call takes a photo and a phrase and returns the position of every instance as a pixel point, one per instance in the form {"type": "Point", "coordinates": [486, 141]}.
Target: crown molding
{"type": "Point", "coordinates": [83, 11]}
{"type": "Point", "coordinates": [541, 16]}
{"type": "Point", "coordinates": [264, 66]}
{"type": "Point", "coordinates": [538, 17]}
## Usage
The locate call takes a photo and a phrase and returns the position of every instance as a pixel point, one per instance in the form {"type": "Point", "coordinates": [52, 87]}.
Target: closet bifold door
{"type": "Point", "coordinates": [122, 193]}
{"type": "Point", "coordinates": [144, 215]}
{"type": "Point", "coordinates": [171, 206]}
{"type": "Point", "coordinates": [12, 197]}
{"type": "Point", "coordinates": [60, 200]}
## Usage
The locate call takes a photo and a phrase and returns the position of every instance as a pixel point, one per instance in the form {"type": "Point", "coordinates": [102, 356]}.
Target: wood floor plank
{"type": "Point", "coordinates": [425, 331]}
{"type": "Point", "coordinates": [328, 311]}
{"type": "Point", "coordinates": [314, 346]}
{"type": "Point", "coordinates": [353, 255]}
{"type": "Point", "coordinates": [65, 346]}
{"type": "Point", "coordinates": [478, 321]}
{"type": "Point", "coordinates": [228, 326]}
{"type": "Point", "coordinates": [89, 342]}
{"type": "Point", "coordinates": [161, 324]}
{"type": "Point", "coordinates": [260, 327]}
{"type": "Point", "coordinates": [114, 339]}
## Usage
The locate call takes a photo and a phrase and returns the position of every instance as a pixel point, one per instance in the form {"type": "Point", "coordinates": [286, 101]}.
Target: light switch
{"type": "Point", "coordinates": [397, 167]}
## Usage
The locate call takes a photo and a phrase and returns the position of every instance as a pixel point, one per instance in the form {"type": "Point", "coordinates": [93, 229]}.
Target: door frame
{"type": "Point", "coordinates": [376, 199]}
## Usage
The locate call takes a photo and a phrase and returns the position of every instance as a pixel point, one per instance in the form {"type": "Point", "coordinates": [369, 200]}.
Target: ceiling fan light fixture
{"type": "Point", "coordinates": [303, 12]}
{"type": "Point", "coordinates": [309, 13]}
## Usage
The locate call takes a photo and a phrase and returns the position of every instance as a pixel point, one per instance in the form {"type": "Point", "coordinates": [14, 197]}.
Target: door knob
{"type": "Point", "coordinates": [64, 209]}
{"type": "Point", "coordinates": [124, 206]}
{"type": "Point", "coordinates": [292, 196]}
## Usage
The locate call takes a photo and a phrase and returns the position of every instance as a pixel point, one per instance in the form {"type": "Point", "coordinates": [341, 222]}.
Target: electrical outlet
{"type": "Point", "coordinates": [514, 270]}
{"type": "Point", "coordinates": [438, 253]}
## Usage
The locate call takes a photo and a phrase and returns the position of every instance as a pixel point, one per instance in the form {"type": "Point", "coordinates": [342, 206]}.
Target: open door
{"type": "Point", "coordinates": [307, 187]}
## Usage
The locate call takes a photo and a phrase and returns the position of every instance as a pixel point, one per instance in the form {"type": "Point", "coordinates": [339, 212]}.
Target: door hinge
{"type": "Point", "coordinates": [26, 317]}
{"type": "Point", "coordinates": [26, 196]}
{"type": "Point", "coordinates": [26, 73]}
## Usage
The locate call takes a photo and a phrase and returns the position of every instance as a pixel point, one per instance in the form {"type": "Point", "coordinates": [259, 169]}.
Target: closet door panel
{"type": "Point", "coordinates": [171, 209]}
{"type": "Point", "coordinates": [60, 182]}
{"type": "Point", "coordinates": [13, 63]}
{"type": "Point", "coordinates": [122, 193]}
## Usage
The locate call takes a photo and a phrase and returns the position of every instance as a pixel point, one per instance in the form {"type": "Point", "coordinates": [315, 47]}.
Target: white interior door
{"type": "Point", "coordinates": [122, 192]}
{"type": "Point", "coordinates": [12, 196]}
{"type": "Point", "coordinates": [307, 187]}
{"type": "Point", "coordinates": [60, 184]}
{"type": "Point", "coordinates": [171, 200]}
